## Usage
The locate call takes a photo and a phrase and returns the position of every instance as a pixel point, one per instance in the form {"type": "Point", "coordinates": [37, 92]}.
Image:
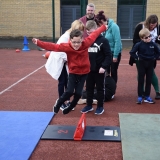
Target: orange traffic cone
{"type": "Point", "coordinates": [78, 134]}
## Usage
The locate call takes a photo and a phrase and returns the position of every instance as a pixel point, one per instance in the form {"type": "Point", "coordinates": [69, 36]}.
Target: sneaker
{"type": "Point", "coordinates": [63, 106]}
{"type": "Point", "coordinates": [94, 101]}
{"type": "Point", "coordinates": [99, 110]}
{"type": "Point", "coordinates": [157, 95]}
{"type": "Point", "coordinates": [87, 109]}
{"type": "Point", "coordinates": [68, 104]}
{"type": "Point", "coordinates": [81, 101]}
{"type": "Point", "coordinates": [55, 107]}
{"type": "Point", "coordinates": [67, 110]}
{"type": "Point", "coordinates": [112, 97]}
{"type": "Point", "coordinates": [139, 101]}
{"type": "Point", "coordinates": [149, 100]}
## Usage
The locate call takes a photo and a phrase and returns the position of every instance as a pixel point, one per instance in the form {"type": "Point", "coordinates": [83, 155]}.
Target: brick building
{"type": "Point", "coordinates": [50, 18]}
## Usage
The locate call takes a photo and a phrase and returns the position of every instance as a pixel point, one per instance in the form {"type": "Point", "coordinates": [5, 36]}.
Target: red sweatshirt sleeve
{"type": "Point", "coordinates": [93, 36]}
{"type": "Point", "coordinates": [48, 46]}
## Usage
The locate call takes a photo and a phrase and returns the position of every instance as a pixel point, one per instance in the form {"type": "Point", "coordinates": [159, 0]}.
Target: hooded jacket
{"type": "Point", "coordinates": [99, 54]}
{"type": "Point", "coordinates": [114, 38]}
{"type": "Point", "coordinates": [78, 60]}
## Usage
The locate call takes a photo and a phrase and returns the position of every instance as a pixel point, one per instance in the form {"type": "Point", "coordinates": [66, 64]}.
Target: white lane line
{"type": "Point", "coordinates": [21, 80]}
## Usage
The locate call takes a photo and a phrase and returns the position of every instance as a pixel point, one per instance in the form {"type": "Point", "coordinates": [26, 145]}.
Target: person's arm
{"type": "Point", "coordinates": [134, 51]}
{"type": "Point", "coordinates": [63, 39]}
{"type": "Point", "coordinates": [157, 51]}
{"type": "Point", "coordinates": [158, 35]}
{"type": "Point", "coordinates": [93, 36]}
{"type": "Point", "coordinates": [107, 53]}
{"type": "Point", "coordinates": [117, 40]}
{"type": "Point", "coordinates": [47, 45]}
{"type": "Point", "coordinates": [136, 37]}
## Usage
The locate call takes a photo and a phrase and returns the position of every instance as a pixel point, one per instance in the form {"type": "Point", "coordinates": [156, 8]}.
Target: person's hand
{"type": "Point", "coordinates": [114, 59]}
{"type": "Point", "coordinates": [101, 70]}
{"type": "Point", "coordinates": [106, 26]}
{"type": "Point", "coordinates": [105, 23]}
{"type": "Point", "coordinates": [34, 40]}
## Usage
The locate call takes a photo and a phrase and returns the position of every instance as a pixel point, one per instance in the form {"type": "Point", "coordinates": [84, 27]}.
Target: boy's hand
{"type": "Point", "coordinates": [106, 26]}
{"type": "Point", "coordinates": [101, 70]}
{"type": "Point", "coordinates": [34, 40]}
{"type": "Point", "coordinates": [114, 59]}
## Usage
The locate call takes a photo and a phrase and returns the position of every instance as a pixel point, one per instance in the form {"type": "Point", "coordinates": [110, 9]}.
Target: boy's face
{"type": "Point", "coordinates": [89, 31]}
{"type": "Point", "coordinates": [147, 38]}
{"type": "Point", "coordinates": [76, 42]}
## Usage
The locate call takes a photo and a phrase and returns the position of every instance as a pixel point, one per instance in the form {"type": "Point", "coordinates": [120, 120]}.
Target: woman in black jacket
{"type": "Point", "coordinates": [150, 23]}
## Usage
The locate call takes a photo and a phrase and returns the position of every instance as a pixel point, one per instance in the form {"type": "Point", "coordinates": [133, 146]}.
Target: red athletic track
{"type": "Point", "coordinates": [38, 92]}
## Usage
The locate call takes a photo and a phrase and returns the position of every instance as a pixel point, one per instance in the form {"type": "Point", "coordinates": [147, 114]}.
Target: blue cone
{"type": "Point", "coordinates": [25, 43]}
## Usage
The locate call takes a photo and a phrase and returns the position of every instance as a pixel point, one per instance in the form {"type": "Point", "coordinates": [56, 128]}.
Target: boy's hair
{"type": "Point", "coordinates": [76, 33]}
{"type": "Point", "coordinates": [91, 25]}
{"type": "Point", "coordinates": [144, 32]}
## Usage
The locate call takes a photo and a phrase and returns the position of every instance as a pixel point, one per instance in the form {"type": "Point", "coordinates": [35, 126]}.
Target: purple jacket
{"type": "Point", "coordinates": [84, 20]}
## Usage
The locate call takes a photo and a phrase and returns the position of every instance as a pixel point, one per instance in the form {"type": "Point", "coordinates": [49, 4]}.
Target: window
{"type": "Point", "coordinates": [70, 2]}
{"type": "Point", "coordinates": [132, 2]}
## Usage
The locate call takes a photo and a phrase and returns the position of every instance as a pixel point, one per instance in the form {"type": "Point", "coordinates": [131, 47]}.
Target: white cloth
{"type": "Point", "coordinates": [56, 60]}
{"type": "Point", "coordinates": [54, 64]}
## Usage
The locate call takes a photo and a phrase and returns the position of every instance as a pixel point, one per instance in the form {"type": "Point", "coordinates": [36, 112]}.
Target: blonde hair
{"type": "Point", "coordinates": [144, 32]}
{"type": "Point", "coordinates": [77, 24]}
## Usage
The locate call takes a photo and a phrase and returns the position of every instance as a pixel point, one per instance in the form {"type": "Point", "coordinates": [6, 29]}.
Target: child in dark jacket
{"type": "Point", "coordinates": [145, 52]}
{"type": "Point", "coordinates": [100, 60]}
{"type": "Point", "coordinates": [78, 64]}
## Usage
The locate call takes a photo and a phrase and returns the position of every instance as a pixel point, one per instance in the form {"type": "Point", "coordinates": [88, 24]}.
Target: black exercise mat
{"type": "Point", "coordinates": [92, 133]}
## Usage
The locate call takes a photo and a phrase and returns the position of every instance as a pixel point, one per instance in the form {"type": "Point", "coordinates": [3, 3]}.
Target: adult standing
{"type": "Point", "coordinates": [151, 23]}
{"type": "Point", "coordinates": [114, 38]}
{"type": "Point", "coordinates": [90, 15]}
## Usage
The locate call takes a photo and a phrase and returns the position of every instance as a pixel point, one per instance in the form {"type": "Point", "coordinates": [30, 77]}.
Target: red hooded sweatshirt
{"type": "Point", "coordinates": [78, 60]}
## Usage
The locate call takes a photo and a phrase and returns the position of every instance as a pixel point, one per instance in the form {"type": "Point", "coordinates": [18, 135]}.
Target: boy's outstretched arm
{"type": "Point", "coordinates": [34, 40]}
{"type": "Point", "coordinates": [47, 45]}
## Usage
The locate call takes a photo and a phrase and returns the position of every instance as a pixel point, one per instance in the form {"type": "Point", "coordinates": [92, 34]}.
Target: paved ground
{"type": "Point", "coordinates": [18, 43]}
{"type": "Point", "coordinates": [26, 86]}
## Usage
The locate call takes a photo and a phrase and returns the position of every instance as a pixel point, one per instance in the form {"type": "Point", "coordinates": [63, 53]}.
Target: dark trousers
{"type": "Point", "coordinates": [74, 87]}
{"type": "Point", "coordinates": [62, 81]}
{"type": "Point", "coordinates": [113, 70]}
{"type": "Point", "coordinates": [97, 79]}
{"type": "Point", "coordinates": [145, 69]}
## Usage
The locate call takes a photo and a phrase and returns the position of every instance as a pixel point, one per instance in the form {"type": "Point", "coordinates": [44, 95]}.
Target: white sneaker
{"type": "Point", "coordinates": [94, 101]}
{"type": "Point", "coordinates": [81, 101]}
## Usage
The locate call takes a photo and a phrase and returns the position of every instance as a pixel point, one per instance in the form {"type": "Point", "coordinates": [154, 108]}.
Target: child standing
{"type": "Point", "coordinates": [145, 52]}
{"type": "Point", "coordinates": [78, 64]}
{"type": "Point", "coordinates": [100, 60]}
